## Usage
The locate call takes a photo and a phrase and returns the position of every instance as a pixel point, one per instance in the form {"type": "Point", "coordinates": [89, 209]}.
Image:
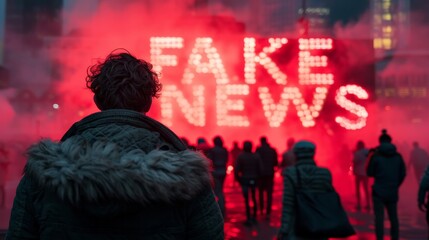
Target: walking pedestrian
{"type": "Point", "coordinates": [233, 154]}
{"type": "Point", "coordinates": [419, 160]}
{"type": "Point", "coordinates": [4, 162]}
{"type": "Point", "coordinates": [268, 164]}
{"type": "Point", "coordinates": [387, 167]}
{"type": "Point", "coordinates": [360, 156]}
{"type": "Point", "coordinates": [312, 178]}
{"type": "Point", "coordinates": [423, 201]}
{"type": "Point", "coordinates": [219, 157]}
{"type": "Point", "coordinates": [288, 157]}
{"type": "Point", "coordinates": [247, 173]}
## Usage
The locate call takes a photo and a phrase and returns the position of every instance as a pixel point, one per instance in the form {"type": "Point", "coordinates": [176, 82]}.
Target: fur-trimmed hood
{"type": "Point", "coordinates": [95, 168]}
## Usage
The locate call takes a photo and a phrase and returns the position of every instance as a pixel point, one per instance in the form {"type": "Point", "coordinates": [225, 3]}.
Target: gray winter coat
{"type": "Point", "coordinates": [115, 175]}
{"type": "Point", "coordinates": [313, 178]}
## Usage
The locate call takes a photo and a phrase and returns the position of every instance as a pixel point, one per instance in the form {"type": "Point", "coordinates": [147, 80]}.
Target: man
{"type": "Point", "coordinates": [233, 154]}
{"type": "Point", "coordinates": [288, 158]}
{"type": "Point", "coordinates": [246, 171]}
{"type": "Point", "coordinates": [219, 156]}
{"type": "Point", "coordinates": [116, 174]}
{"type": "Point", "coordinates": [387, 167]}
{"type": "Point", "coordinates": [422, 196]}
{"type": "Point", "coordinates": [268, 163]}
{"type": "Point", "coordinates": [419, 160]}
{"type": "Point", "coordinates": [4, 162]}
{"type": "Point", "coordinates": [359, 163]}
{"type": "Point", "coordinates": [203, 146]}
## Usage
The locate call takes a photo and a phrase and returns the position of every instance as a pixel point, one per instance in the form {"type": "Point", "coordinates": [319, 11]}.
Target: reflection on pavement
{"type": "Point", "coordinates": [412, 222]}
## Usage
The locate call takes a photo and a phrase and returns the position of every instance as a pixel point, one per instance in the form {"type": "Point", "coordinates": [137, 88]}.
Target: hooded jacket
{"type": "Point", "coordinates": [219, 157]}
{"type": "Point", "coordinates": [247, 166]}
{"type": "Point", "coordinates": [269, 159]}
{"type": "Point", "coordinates": [313, 178]}
{"type": "Point", "coordinates": [423, 187]}
{"type": "Point", "coordinates": [387, 167]}
{"type": "Point", "coordinates": [116, 174]}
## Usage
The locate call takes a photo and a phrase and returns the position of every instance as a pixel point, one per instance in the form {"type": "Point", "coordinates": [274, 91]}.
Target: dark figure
{"type": "Point", "coordinates": [187, 144]}
{"type": "Point", "coordinates": [384, 137]}
{"type": "Point", "coordinates": [4, 161]}
{"type": "Point", "coordinates": [116, 174]}
{"type": "Point", "coordinates": [268, 162]}
{"type": "Point", "coordinates": [387, 167]}
{"type": "Point", "coordinates": [343, 155]}
{"type": "Point", "coordinates": [288, 158]}
{"type": "Point", "coordinates": [313, 178]}
{"type": "Point", "coordinates": [219, 156]}
{"type": "Point", "coordinates": [203, 146]}
{"type": "Point", "coordinates": [246, 172]}
{"type": "Point", "coordinates": [360, 157]}
{"type": "Point", "coordinates": [419, 160]}
{"type": "Point", "coordinates": [233, 154]}
{"type": "Point", "coordinates": [423, 197]}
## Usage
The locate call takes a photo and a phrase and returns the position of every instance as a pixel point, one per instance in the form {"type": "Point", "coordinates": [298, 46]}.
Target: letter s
{"type": "Point", "coordinates": [352, 107]}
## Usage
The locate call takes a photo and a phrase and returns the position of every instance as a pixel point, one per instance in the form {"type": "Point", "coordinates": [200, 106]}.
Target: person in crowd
{"type": "Point", "coordinates": [219, 157]}
{"type": "Point", "coordinates": [4, 161]}
{"type": "Point", "coordinates": [343, 155]}
{"type": "Point", "coordinates": [247, 172]}
{"type": "Point", "coordinates": [384, 137]}
{"type": "Point", "coordinates": [288, 158]}
{"type": "Point", "coordinates": [387, 167]}
{"type": "Point", "coordinates": [203, 146]}
{"type": "Point", "coordinates": [360, 156]}
{"type": "Point", "coordinates": [117, 173]}
{"type": "Point", "coordinates": [233, 154]}
{"type": "Point", "coordinates": [419, 160]}
{"type": "Point", "coordinates": [269, 162]}
{"type": "Point", "coordinates": [313, 178]}
{"type": "Point", "coordinates": [422, 197]}
{"type": "Point", "coordinates": [187, 143]}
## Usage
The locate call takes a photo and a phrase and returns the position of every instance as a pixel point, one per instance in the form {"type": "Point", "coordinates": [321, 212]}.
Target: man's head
{"type": "Point", "coordinates": [304, 150]}
{"type": "Point", "coordinates": [384, 137]}
{"type": "Point", "coordinates": [122, 81]}
{"type": "Point", "coordinates": [415, 144]}
{"type": "Point", "coordinates": [247, 146]}
{"type": "Point", "coordinates": [217, 141]}
{"type": "Point", "coordinates": [360, 144]}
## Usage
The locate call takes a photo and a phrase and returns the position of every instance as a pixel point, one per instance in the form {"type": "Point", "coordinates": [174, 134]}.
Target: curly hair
{"type": "Point", "coordinates": [122, 81]}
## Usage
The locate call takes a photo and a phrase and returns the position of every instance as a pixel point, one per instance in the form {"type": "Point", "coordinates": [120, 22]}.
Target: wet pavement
{"type": "Point", "coordinates": [412, 222]}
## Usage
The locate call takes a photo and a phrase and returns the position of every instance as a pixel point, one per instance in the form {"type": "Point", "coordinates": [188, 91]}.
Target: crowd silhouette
{"type": "Point", "coordinates": [378, 173]}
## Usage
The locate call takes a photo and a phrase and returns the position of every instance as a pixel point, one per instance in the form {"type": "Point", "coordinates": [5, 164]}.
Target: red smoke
{"type": "Point", "coordinates": [90, 35]}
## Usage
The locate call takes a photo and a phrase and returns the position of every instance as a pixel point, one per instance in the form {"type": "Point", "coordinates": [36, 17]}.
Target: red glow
{"type": "Point", "coordinates": [217, 78]}
{"type": "Point", "coordinates": [205, 59]}
{"type": "Point", "coordinates": [352, 107]}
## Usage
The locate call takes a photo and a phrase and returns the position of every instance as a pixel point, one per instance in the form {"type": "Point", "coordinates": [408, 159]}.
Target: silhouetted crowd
{"type": "Point", "coordinates": [254, 169]}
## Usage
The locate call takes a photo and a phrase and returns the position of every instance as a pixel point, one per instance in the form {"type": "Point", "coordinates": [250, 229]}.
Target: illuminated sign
{"type": "Point", "coordinates": [269, 75]}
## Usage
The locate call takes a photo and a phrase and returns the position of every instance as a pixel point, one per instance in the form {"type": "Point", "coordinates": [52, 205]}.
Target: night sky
{"type": "Point", "coordinates": [347, 12]}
